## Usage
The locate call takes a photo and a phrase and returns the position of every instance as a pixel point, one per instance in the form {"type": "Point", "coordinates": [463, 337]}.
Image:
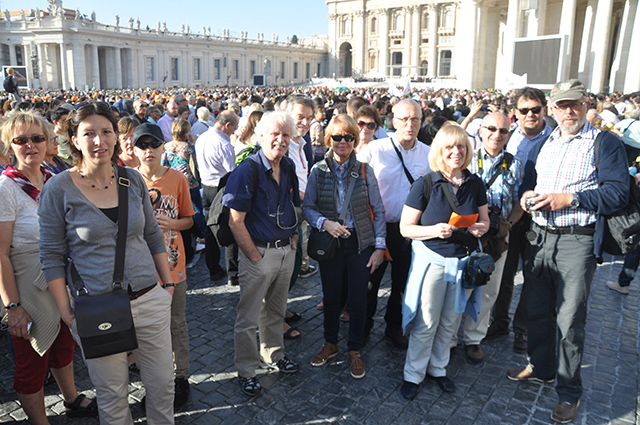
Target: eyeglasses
{"type": "Point", "coordinates": [143, 105]}
{"type": "Point", "coordinates": [408, 119]}
{"type": "Point", "coordinates": [145, 145]}
{"type": "Point", "coordinates": [22, 140]}
{"type": "Point", "coordinates": [536, 110]}
{"type": "Point", "coordinates": [279, 213]}
{"type": "Point", "coordinates": [369, 125]}
{"type": "Point", "coordinates": [493, 129]}
{"type": "Point", "coordinates": [573, 106]}
{"type": "Point", "coordinates": [347, 137]}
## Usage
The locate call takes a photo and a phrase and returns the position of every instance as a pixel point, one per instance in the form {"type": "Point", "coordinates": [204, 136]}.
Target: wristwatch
{"type": "Point", "coordinates": [12, 306]}
{"type": "Point", "coordinates": [575, 203]}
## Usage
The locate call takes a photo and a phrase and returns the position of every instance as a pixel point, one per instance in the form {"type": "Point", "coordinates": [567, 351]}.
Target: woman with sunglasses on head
{"type": "Point", "coordinates": [368, 120]}
{"type": "Point", "coordinates": [82, 224]}
{"type": "Point", "coordinates": [439, 252]}
{"type": "Point", "coordinates": [361, 236]}
{"type": "Point", "coordinates": [52, 161]}
{"type": "Point", "coordinates": [39, 337]}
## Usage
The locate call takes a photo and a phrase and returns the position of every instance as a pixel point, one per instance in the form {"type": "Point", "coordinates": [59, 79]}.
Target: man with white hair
{"type": "Point", "coordinates": [203, 122]}
{"type": "Point", "coordinates": [139, 111]}
{"type": "Point", "coordinates": [261, 195]}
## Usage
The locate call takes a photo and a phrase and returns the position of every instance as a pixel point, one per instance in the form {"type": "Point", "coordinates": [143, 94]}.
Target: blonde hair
{"type": "Point", "coordinates": [180, 129]}
{"type": "Point", "coordinates": [21, 119]}
{"type": "Point", "coordinates": [341, 122]}
{"type": "Point", "coordinates": [445, 137]}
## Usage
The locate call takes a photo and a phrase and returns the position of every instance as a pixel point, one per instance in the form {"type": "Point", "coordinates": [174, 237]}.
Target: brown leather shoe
{"type": "Point", "coordinates": [565, 412]}
{"type": "Point", "coordinates": [356, 366]}
{"type": "Point", "coordinates": [328, 351]}
{"type": "Point", "coordinates": [474, 353]}
{"type": "Point", "coordinates": [526, 374]}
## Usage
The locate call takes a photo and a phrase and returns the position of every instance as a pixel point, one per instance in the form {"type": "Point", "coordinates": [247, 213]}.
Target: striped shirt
{"type": "Point", "coordinates": [567, 167]}
{"type": "Point", "coordinates": [505, 188]}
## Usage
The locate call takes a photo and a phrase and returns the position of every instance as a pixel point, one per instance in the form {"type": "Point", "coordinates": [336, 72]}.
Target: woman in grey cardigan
{"type": "Point", "coordinates": [361, 235]}
{"type": "Point", "coordinates": [78, 213]}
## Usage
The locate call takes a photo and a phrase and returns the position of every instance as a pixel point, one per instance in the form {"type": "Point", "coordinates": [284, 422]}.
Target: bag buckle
{"type": "Point", "coordinates": [82, 291]}
{"type": "Point", "coordinates": [124, 182]}
{"type": "Point", "coordinates": [117, 285]}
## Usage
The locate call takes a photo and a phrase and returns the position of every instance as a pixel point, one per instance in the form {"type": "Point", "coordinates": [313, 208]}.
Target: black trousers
{"type": "Point", "coordinates": [519, 248]}
{"type": "Point", "coordinates": [211, 250]}
{"type": "Point", "coordinates": [400, 250]}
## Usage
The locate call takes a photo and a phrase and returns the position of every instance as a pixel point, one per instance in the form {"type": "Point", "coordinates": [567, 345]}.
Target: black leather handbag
{"type": "Point", "coordinates": [104, 322]}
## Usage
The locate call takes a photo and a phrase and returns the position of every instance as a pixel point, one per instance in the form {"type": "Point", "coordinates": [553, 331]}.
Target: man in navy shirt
{"type": "Point", "coordinates": [264, 222]}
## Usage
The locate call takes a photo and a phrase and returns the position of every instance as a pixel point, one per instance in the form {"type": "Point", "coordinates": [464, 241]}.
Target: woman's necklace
{"type": "Point", "coordinates": [450, 180]}
{"type": "Point", "coordinates": [113, 176]}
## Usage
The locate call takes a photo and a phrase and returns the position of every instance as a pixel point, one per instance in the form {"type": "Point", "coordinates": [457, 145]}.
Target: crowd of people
{"type": "Point", "coordinates": [358, 180]}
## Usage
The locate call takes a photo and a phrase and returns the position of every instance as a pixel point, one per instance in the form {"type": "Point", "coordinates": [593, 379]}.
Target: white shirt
{"type": "Point", "coordinates": [165, 122]}
{"type": "Point", "coordinates": [392, 180]}
{"type": "Point", "coordinates": [296, 154]}
{"type": "Point", "coordinates": [215, 156]}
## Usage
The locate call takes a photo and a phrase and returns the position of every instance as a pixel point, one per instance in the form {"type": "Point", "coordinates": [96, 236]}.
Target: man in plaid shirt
{"type": "Point", "coordinates": [570, 197]}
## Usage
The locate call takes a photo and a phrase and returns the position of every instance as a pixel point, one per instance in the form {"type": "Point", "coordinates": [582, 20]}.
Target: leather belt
{"type": "Point", "coordinates": [280, 243]}
{"type": "Point", "coordinates": [569, 230]}
{"type": "Point", "coordinates": [137, 294]}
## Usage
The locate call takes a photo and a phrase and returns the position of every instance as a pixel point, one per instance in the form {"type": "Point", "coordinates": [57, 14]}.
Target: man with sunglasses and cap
{"type": "Point", "coordinates": [531, 106]}
{"type": "Point", "coordinates": [396, 161]}
{"type": "Point", "coordinates": [262, 196]}
{"type": "Point", "coordinates": [567, 197]}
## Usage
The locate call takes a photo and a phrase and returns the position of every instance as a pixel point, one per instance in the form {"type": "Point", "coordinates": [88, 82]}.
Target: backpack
{"type": "Point", "coordinates": [622, 228]}
{"type": "Point", "coordinates": [9, 85]}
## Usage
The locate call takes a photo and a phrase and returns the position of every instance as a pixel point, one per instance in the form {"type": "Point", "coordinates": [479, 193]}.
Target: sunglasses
{"type": "Point", "coordinates": [22, 140]}
{"type": "Point", "coordinates": [493, 129]}
{"type": "Point", "coordinates": [145, 145]}
{"type": "Point", "coordinates": [347, 137]}
{"type": "Point", "coordinates": [536, 110]}
{"type": "Point", "coordinates": [369, 125]}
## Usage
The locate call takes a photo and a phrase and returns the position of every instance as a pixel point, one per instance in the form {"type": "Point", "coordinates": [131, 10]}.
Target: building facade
{"type": "Point", "coordinates": [63, 48]}
{"type": "Point", "coordinates": [482, 43]}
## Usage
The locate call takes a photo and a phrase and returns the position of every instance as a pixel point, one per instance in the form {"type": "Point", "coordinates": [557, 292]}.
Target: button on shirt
{"type": "Point", "coordinates": [504, 188]}
{"type": "Point", "coordinates": [215, 156]}
{"type": "Point", "coordinates": [519, 145]}
{"type": "Point", "coordinates": [567, 167]}
{"type": "Point", "coordinates": [270, 207]}
{"type": "Point", "coordinates": [392, 180]}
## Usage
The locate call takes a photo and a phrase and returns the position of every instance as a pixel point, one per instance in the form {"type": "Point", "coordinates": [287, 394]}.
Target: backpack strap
{"type": "Point", "coordinates": [427, 186]}
{"type": "Point", "coordinates": [506, 163]}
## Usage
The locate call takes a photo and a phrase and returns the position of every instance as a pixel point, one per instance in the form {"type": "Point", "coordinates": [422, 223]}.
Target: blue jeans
{"type": "Point", "coordinates": [631, 261]}
{"type": "Point", "coordinates": [331, 274]}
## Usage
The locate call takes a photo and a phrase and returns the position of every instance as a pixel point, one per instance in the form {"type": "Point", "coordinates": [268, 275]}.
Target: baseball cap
{"type": "Point", "coordinates": [147, 129]}
{"type": "Point", "coordinates": [567, 90]}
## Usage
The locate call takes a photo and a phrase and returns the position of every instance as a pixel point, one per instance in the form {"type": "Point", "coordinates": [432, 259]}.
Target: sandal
{"type": "Point", "coordinates": [75, 410]}
{"type": "Point", "coordinates": [292, 333]}
{"type": "Point", "coordinates": [293, 318]}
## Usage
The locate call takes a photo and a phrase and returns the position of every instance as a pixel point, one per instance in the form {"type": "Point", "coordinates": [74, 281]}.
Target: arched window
{"type": "Point", "coordinates": [445, 63]}
{"type": "Point", "coordinates": [424, 68]}
{"type": "Point", "coordinates": [374, 25]}
{"type": "Point", "coordinates": [399, 22]}
{"type": "Point", "coordinates": [396, 62]}
{"type": "Point", "coordinates": [448, 19]}
{"type": "Point", "coordinates": [373, 62]}
{"type": "Point", "coordinates": [346, 26]}
{"type": "Point", "coordinates": [425, 21]}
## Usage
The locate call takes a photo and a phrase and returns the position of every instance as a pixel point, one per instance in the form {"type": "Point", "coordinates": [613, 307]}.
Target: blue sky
{"type": "Point", "coordinates": [283, 17]}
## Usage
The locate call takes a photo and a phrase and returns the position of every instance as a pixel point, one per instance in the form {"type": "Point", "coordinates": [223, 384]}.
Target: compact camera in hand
{"type": "Point", "coordinates": [494, 220]}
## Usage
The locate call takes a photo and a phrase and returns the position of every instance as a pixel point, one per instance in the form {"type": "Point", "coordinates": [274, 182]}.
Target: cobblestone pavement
{"type": "Point", "coordinates": [330, 395]}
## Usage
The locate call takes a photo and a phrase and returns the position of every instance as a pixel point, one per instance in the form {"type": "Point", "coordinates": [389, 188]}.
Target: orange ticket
{"type": "Point", "coordinates": [462, 221]}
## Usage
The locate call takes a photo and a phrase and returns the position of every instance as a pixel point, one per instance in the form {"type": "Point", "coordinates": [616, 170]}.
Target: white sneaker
{"type": "Point", "coordinates": [200, 247]}
{"type": "Point", "coordinates": [613, 284]}
{"type": "Point", "coordinates": [194, 261]}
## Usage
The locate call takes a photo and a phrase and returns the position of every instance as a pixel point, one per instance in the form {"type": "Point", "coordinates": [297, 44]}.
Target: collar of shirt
{"type": "Point", "coordinates": [223, 135]}
{"type": "Point", "coordinates": [586, 132]}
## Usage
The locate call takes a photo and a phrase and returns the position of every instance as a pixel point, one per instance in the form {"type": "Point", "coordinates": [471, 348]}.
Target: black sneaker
{"type": "Point", "coordinates": [250, 386]}
{"type": "Point", "coordinates": [218, 276]}
{"type": "Point", "coordinates": [309, 272]}
{"type": "Point", "coordinates": [496, 330]}
{"type": "Point", "coordinates": [182, 391]}
{"type": "Point", "coordinates": [520, 343]}
{"type": "Point", "coordinates": [286, 365]}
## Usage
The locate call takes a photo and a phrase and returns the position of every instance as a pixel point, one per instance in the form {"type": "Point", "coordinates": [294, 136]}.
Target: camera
{"type": "Point", "coordinates": [494, 220]}
{"type": "Point", "coordinates": [529, 203]}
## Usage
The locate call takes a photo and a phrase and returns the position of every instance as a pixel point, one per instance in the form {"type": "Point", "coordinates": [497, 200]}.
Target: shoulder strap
{"type": "Point", "coordinates": [427, 186]}
{"type": "Point", "coordinates": [596, 148]}
{"type": "Point", "coordinates": [449, 195]}
{"type": "Point", "coordinates": [406, 172]}
{"type": "Point", "coordinates": [506, 163]}
{"type": "Point", "coordinates": [123, 221]}
{"type": "Point", "coordinates": [347, 197]}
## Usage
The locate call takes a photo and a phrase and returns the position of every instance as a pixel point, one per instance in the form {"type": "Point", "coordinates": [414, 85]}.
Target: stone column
{"type": "Point", "coordinates": [95, 68]}
{"type": "Point", "coordinates": [118, 66]}
{"type": "Point", "coordinates": [465, 55]}
{"type": "Point", "coordinates": [384, 42]}
{"type": "Point", "coordinates": [406, 51]}
{"type": "Point", "coordinates": [510, 35]}
{"type": "Point", "coordinates": [13, 61]}
{"type": "Point", "coordinates": [632, 77]}
{"type": "Point", "coordinates": [567, 21]}
{"type": "Point", "coordinates": [63, 66]}
{"type": "Point", "coordinates": [333, 49]}
{"type": "Point", "coordinates": [79, 70]}
{"type": "Point", "coordinates": [619, 66]}
{"type": "Point", "coordinates": [600, 44]}
{"type": "Point", "coordinates": [416, 32]}
{"type": "Point", "coordinates": [585, 59]}
{"type": "Point", "coordinates": [359, 52]}
{"type": "Point", "coordinates": [433, 40]}
{"type": "Point", "coordinates": [43, 75]}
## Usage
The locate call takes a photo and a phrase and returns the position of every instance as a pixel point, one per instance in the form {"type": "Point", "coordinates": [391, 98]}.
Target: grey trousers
{"type": "Point", "coordinates": [561, 269]}
{"type": "Point", "coordinates": [180, 331]}
{"type": "Point", "coordinates": [264, 287]}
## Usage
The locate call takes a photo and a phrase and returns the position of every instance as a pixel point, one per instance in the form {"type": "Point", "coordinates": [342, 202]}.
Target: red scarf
{"type": "Point", "coordinates": [24, 183]}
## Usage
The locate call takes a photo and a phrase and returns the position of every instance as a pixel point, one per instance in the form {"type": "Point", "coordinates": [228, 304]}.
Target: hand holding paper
{"type": "Point", "coordinates": [462, 221]}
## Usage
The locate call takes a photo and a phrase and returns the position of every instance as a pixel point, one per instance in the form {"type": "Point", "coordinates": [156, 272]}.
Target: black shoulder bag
{"type": "Point", "coordinates": [104, 322]}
